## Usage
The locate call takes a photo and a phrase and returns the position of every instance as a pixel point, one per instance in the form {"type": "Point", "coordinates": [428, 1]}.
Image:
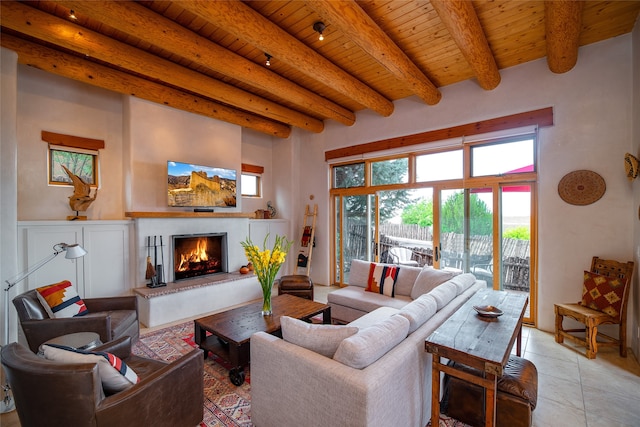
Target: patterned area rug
{"type": "Point", "coordinates": [225, 405]}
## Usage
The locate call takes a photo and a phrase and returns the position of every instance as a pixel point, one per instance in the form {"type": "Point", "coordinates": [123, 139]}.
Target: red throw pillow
{"type": "Point", "coordinates": [603, 293]}
{"type": "Point", "coordinates": [382, 279]}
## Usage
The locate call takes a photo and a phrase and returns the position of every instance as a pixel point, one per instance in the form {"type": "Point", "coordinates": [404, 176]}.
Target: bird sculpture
{"type": "Point", "coordinates": [81, 198]}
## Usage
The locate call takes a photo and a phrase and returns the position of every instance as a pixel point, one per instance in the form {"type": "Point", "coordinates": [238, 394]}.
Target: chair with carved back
{"type": "Point", "coordinates": [605, 293]}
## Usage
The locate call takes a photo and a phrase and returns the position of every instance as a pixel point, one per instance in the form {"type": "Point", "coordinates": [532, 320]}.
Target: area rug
{"type": "Point", "coordinates": [225, 405]}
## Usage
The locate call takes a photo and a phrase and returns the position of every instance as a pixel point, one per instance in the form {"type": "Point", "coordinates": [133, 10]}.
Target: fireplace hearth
{"type": "Point", "coordinates": [197, 255]}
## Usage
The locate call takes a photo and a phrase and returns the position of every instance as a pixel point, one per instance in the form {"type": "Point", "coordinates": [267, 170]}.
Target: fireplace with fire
{"type": "Point", "coordinates": [196, 255]}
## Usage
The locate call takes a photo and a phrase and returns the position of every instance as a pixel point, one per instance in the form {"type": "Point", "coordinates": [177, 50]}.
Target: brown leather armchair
{"type": "Point", "coordinates": [111, 318]}
{"type": "Point", "coordinates": [71, 394]}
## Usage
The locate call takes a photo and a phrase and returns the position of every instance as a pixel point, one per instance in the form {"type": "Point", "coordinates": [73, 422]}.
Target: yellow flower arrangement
{"type": "Point", "coordinates": [266, 264]}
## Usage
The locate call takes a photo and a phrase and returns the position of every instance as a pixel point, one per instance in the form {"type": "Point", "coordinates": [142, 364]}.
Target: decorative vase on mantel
{"type": "Point", "coordinates": [266, 264]}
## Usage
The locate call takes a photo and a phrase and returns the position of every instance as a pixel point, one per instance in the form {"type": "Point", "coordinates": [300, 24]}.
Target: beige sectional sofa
{"type": "Point", "coordinates": [373, 371]}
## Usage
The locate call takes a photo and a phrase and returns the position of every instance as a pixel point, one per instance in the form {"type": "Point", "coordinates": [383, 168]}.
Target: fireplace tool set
{"type": "Point", "coordinates": [155, 270]}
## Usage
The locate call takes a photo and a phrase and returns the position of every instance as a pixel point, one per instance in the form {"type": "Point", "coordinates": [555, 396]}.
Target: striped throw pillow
{"type": "Point", "coordinates": [382, 279]}
{"type": "Point", "coordinates": [61, 300]}
{"type": "Point", "coordinates": [114, 373]}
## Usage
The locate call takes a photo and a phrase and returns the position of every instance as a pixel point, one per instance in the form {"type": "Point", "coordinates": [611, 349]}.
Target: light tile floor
{"type": "Point", "coordinates": [573, 391]}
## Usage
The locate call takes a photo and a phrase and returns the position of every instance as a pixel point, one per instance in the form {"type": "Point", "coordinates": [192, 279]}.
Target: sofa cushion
{"type": "Point", "coordinates": [428, 279]}
{"type": "Point", "coordinates": [376, 316]}
{"type": "Point", "coordinates": [359, 273]}
{"type": "Point", "coordinates": [322, 339]}
{"type": "Point", "coordinates": [114, 372]}
{"type": "Point", "coordinates": [60, 300]}
{"type": "Point", "coordinates": [357, 298]}
{"type": "Point", "coordinates": [463, 281]}
{"type": "Point", "coordinates": [406, 278]}
{"type": "Point", "coordinates": [444, 294]}
{"type": "Point", "coordinates": [419, 311]}
{"type": "Point", "coordinates": [382, 279]}
{"type": "Point", "coordinates": [370, 344]}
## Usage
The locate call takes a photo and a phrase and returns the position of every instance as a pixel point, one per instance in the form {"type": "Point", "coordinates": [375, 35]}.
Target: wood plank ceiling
{"type": "Point", "coordinates": [208, 57]}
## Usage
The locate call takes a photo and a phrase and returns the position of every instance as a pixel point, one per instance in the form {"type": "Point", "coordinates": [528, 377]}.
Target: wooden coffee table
{"type": "Point", "coordinates": [231, 330]}
{"type": "Point", "coordinates": [480, 342]}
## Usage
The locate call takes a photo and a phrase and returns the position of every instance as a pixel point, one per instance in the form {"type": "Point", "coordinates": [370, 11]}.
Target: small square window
{"type": "Point", "coordinates": [251, 185]}
{"type": "Point", "coordinates": [348, 176]}
{"type": "Point", "coordinates": [82, 163]}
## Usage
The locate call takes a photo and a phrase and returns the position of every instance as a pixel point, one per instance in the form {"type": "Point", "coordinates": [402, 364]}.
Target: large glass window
{"type": "Point", "coordinates": [439, 166]}
{"type": "Point", "coordinates": [469, 209]}
{"type": "Point", "coordinates": [503, 158]}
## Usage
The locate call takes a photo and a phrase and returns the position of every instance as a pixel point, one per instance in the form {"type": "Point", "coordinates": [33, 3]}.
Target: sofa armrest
{"type": "Point", "coordinates": [95, 305]}
{"type": "Point", "coordinates": [322, 391]}
{"type": "Point", "coordinates": [178, 386]}
{"type": "Point", "coordinates": [39, 331]}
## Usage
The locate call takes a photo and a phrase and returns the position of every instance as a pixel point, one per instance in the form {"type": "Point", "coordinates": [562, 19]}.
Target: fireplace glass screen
{"type": "Point", "coordinates": [196, 255]}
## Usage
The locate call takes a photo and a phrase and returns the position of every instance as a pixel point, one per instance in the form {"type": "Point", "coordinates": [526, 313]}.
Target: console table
{"type": "Point", "coordinates": [483, 343]}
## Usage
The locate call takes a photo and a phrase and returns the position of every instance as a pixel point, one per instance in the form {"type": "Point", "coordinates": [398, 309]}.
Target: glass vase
{"type": "Point", "coordinates": [266, 303]}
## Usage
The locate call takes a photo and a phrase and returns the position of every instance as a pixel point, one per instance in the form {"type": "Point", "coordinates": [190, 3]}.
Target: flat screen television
{"type": "Point", "coordinates": [199, 186]}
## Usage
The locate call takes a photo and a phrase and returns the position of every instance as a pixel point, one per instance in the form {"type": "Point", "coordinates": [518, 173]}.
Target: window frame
{"type": "Point", "coordinates": [251, 171]}
{"type": "Point", "coordinates": [63, 179]}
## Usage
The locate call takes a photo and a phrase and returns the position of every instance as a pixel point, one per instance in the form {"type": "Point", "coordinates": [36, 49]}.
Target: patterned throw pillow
{"type": "Point", "coordinates": [382, 279]}
{"type": "Point", "coordinates": [602, 293]}
{"type": "Point", "coordinates": [61, 300]}
{"type": "Point", "coordinates": [114, 372]}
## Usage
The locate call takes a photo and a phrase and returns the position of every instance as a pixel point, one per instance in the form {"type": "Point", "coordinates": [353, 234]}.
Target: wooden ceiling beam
{"type": "Point", "coordinates": [242, 21]}
{"type": "Point", "coordinates": [75, 68]}
{"type": "Point", "coordinates": [349, 18]}
{"type": "Point", "coordinates": [563, 23]}
{"type": "Point", "coordinates": [42, 26]}
{"type": "Point", "coordinates": [461, 20]}
{"type": "Point", "coordinates": [138, 21]}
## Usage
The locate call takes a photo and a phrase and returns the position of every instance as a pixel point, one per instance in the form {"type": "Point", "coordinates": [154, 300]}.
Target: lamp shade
{"type": "Point", "coordinates": [74, 251]}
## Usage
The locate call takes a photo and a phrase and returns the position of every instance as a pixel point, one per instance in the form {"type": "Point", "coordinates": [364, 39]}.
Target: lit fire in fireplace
{"type": "Point", "coordinates": [197, 255]}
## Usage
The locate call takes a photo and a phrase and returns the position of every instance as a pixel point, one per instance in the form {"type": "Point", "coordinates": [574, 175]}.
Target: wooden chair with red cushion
{"type": "Point", "coordinates": [605, 293]}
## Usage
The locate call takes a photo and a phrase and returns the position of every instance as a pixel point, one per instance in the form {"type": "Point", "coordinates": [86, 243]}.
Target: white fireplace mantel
{"type": "Point", "coordinates": [197, 296]}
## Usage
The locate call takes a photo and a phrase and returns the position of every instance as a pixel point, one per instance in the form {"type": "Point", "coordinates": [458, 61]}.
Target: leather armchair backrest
{"type": "Point", "coordinates": [51, 393]}
{"type": "Point", "coordinates": [29, 307]}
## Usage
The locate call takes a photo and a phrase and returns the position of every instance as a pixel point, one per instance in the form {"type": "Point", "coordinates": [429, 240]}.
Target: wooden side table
{"type": "Point", "coordinates": [479, 342]}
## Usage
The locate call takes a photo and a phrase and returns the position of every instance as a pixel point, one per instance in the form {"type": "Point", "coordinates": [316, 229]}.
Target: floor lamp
{"type": "Point", "coordinates": [72, 252]}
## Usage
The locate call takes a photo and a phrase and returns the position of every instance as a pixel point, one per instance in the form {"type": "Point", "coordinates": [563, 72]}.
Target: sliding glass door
{"type": "Point", "coordinates": [355, 231]}
{"type": "Point", "coordinates": [466, 231]}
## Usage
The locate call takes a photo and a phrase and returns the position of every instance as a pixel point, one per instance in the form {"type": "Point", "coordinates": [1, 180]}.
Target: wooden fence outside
{"type": "Point", "coordinates": [515, 261]}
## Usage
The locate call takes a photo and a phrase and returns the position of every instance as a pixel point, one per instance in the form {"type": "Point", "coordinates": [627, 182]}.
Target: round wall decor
{"type": "Point", "coordinates": [581, 187]}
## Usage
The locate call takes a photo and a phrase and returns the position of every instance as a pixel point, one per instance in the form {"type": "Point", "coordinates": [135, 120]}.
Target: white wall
{"type": "Point", "coordinates": [634, 302]}
{"type": "Point", "coordinates": [593, 122]}
{"type": "Point", "coordinates": [256, 150]}
{"type": "Point", "coordinates": [57, 104]}
{"type": "Point", "coordinates": [8, 182]}
{"type": "Point", "coordinates": [157, 133]}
